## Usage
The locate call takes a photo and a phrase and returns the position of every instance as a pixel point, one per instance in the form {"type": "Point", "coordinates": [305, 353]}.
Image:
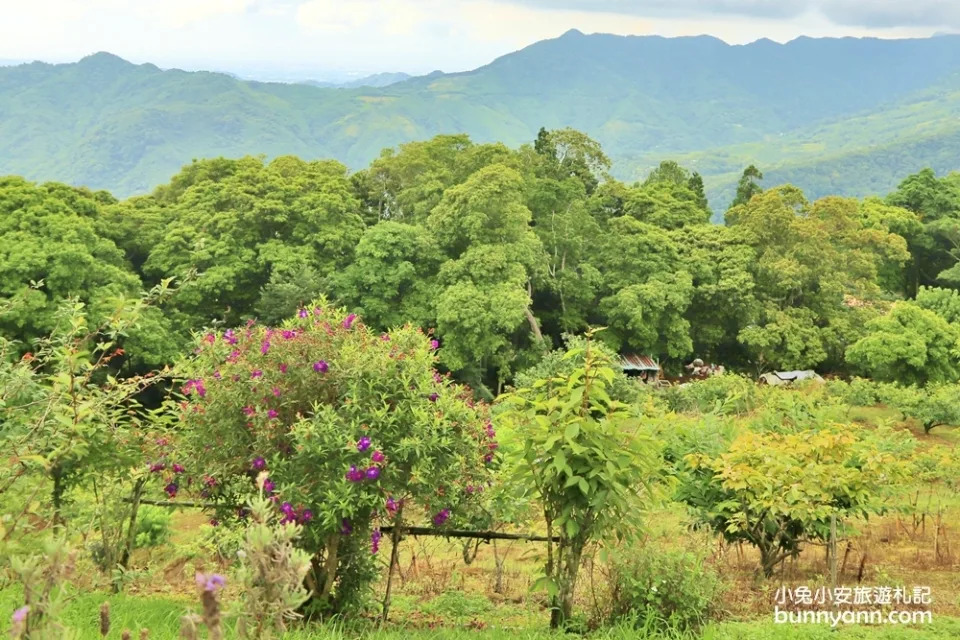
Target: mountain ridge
{"type": "Point", "coordinates": [109, 123]}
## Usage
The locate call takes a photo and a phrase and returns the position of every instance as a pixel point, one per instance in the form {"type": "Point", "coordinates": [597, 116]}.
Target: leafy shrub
{"type": "Point", "coordinates": [354, 428]}
{"type": "Point", "coordinates": [726, 394]}
{"type": "Point", "coordinates": [662, 589]}
{"type": "Point", "coordinates": [153, 526]}
{"type": "Point", "coordinates": [457, 605]}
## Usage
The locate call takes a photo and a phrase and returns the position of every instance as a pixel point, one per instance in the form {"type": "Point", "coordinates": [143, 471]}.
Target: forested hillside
{"type": "Point", "coordinates": [501, 252]}
{"type": "Point", "coordinates": [801, 110]}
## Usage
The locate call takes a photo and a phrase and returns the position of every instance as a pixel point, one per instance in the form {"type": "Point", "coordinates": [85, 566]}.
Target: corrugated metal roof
{"type": "Point", "coordinates": [636, 362]}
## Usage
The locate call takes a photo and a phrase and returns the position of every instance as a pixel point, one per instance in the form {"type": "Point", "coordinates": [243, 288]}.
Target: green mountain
{"type": "Point", "coordinates": [834, 115]}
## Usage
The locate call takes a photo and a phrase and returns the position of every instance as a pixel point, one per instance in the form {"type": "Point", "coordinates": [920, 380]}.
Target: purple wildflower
{"type": "Point", "coordinates": [375, 540]}
{"type": "Point", "coordinates": [391, 506]}
{"type": "Point", "coordinates": [249, 411]}
{"type": "Point", "coordinates": [20, 615]}
{"type": "Point", "coordinates": [211, 582]}
{"type": "Point", "coordinates": [276, 391]}
{"type": "Point", "coordinates": [355, 475]}
{"type": "Point", "coordinates": [272, 414]}
{"type": "Point", "coordinates": [378, 456]}
{"type": "Point", "coordinates": [157, 467]}
{"type": "Point", "coordinates": [385, 337]}
{"type": "Point", "coordinates": [214, 522]}
{"type": "Point", "coordinates": [229, 337]}
{"type": "Point", "coordinates": [321, 366]}
{"type": "Point", "coordinates": [348, 321]}
{"type": "Point", "coordinates": [283, 368]}
{"type": "Point", "coordinates": [434, 345]}
{"type": "Point", "coordinates": [302, 313]}
{"type": "Point", "coordinates": [268, 486]}
{"type": "Point", "coordinates": [259, 464]}
{"type": "Point", "coordinates": [256, 373]}
{"type": "Point", "coordinates": [171, 489]}
{"type": "Point", "coordinates": [178, 468]}
{"type": "Point", "coordinates": [441, 517]}
{"type": "Point", "coordinates": [306, 516]}
{"type": "Point", "coordinates": [265, 347]}
{"type": "Point", "coordinates": [433, 397]}
{"type": "Point", "coordinates": [373, 473]}
{"type": "Point", "coordinates": [363, 444]}
{"type": "Point", "coordinates": [210, 481]}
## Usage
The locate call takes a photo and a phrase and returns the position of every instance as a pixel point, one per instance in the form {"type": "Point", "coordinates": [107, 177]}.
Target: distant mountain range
{"type": "Point", "coordinates": [849, 116]}
{"type": "Point", "coordinates": [376, 80]}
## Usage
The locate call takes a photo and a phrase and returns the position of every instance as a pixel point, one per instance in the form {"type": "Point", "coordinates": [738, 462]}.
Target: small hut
{"type": "Point", "coordinates": [780, 378]}
{"type": "Point", "coordinates": [639, 366]}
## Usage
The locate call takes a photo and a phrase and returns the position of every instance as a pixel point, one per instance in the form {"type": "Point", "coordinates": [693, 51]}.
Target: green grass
{"type": "Point", "coordinates": [161, 616]}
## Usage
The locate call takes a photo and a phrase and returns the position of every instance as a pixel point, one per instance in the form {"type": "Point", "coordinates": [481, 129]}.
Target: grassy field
{"type": "Point", "coordinates": [439, 595]}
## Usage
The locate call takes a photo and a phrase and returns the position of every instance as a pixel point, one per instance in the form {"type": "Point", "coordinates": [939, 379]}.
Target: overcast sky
{"type": "Point", "coordinates": [273, 37]}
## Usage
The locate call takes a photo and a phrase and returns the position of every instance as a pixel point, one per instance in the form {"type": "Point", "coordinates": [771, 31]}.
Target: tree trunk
{"type": "Point", "coordinates": [131, 530]}
{"type": "Point", "coordinates": [394, 553]}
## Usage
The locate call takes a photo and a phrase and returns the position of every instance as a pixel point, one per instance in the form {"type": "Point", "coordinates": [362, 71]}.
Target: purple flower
{"type": "Point", "coordinates": [321, 366]}
{"type": "Point", "coordinates": [156, 467]}
{"type": "Point", "coordinates": [210, 582]}
{"type": "Point", "coordinates": [256, 373]}
{"type": "Point", "coordinates": [209, 338]}
{"type": "Point", "coordinates": [249, 411]}
{"type": "Point", "coordinates": [171, 490]}
{"type": "Point", "coordinates": [378, 456]}
{"type": "Point", "coordinates": [178, 468]}
{"type": "Point", "coordinates": [259, 464]}
{"type": "Point", "coordinates": [234, 356]}
{"type": "Point", "coordinates": [385, 337]}
{"type": "Point", "coordinates": [268, 486]}
{"type": "Point", "coordinates": [355, 475]}
{"type": "Point", "coordinates": [348, 321]}
{"type": "Point", "coordinates": [392, 506]}
{"type": "Point", "coordinates": [363, 444]}
{"type": "Point", "coordinates": [216, 374]}
{"type": "Point", "coordinates": [373, 473]}
{"type": "Point", "coordinates": [276, 391]}
{"type": "Point", "coordinates": [433, 397]}
{"type": "Point", "coordinates": [283, 368]}
{"type": "Point", "coordinates": [287, 509]}
{"type": "Point", "coordinates": [306, 516]}
{"type": "Point", "coordinates": [214, 522]}
{"type": "Point", "coordinates": [272, 413]}
{"type": "Point", "coordinates": [210, 481]}
{"type": "Point", "coordinates": [434, 345]}
{"type": "Point", "coordinates": [289, 335]}
{"type": "Point", "coordinates": [229, 337]}
{"type": "Point", "coordinates": [441, 517]}
{"type": "Point", "coordinates": [20, 615]}
{"type": "Point", "coordinates": [488, 457]}
{"type": "Point", "coordinates": [302, 313]}
{"type": "Point", "coordinates": [265, 347]}
{"type": "Point", "coordinates": [375, 540]}
{"type": "Point", "coordinates": [345, 527]}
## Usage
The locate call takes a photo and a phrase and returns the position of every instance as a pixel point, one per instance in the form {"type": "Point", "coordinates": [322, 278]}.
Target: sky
{"type": "Point", "coordinates": [336, 39]}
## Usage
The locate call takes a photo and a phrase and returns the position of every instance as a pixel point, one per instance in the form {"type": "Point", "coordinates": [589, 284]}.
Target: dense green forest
{"type": "Point", "coordinates": [833, 116]}
{"type": "Point", "coordinates": [501, 252]}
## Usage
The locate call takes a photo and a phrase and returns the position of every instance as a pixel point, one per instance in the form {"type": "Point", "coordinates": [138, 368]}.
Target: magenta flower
{"type": "Point", "coordinates": [302, 313]}
{"type": "Point", "coordinates": [178, 468]}
{"type": "Point", "coordinates": [272, 414]}
{"type": "Point", "coordinates": [345, 527]}
{"type": "Point", "coordinates": [306, 516]}
{"type": "Point", "coordinates": [259, 464]}
{"type": "Point", "coordinates": [289, 335]}
{"type": "Point", "coordinates": [375, 541]}
{"type": "Point", "coordinates": [378, 456]}
{"type": "Point", "coordinates": [385, 337]}
{"type": "Point", "coordinates": [321, 366]}
{"type": "Point", "coordinates": [256, 373]}
{"type": "Point", "coordinates": [348, 321]}
{"type": "Point", "coordinates": [433, 397]}
{"type": "Point", "coordinates": [283, 368]}
{"type": "Point", "coordinates": [441, 517]}
{"type": "Point", "coordinates": [265, 347]}
{"type": "Point", "coordinates": [268, 486]}
{"type": "Point", "coordinates": [216, 374]}
{"type": "Point", "coordinates": [210, 481]}
{"type": "Point", "coordinates": [214, 522]}
{"type": "Point", "coordinates": [373, 473]}
{"type": "Point", "coordinates": [363, 444]}
{"type": "Point", "coordinates": [488, 457]}
{"type": "Point", "coordinates": [20, 615]}
{"type": "Point", "coordinates": [249, 411]}
{"type": "Point", "coordinates": [276, 391]}
{"type": "Point", "coordinates": [229, 337]}
{"type": "Point", "coordinates": [391, 506]}
{"type": "Point", "coordinates": [354, 475]}
{"type": "Point", "coordinates": [171, 490]}
{"type": "Point", "coordinates": [234, 356]}
{"type": "Point", "coordinates": [434, 345]}
{"type": "Point", "coordinates": [157, 467]}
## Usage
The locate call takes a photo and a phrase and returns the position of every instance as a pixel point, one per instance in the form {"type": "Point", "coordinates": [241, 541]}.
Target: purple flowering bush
{"type": "Point", "coordinates": [351, 429]}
